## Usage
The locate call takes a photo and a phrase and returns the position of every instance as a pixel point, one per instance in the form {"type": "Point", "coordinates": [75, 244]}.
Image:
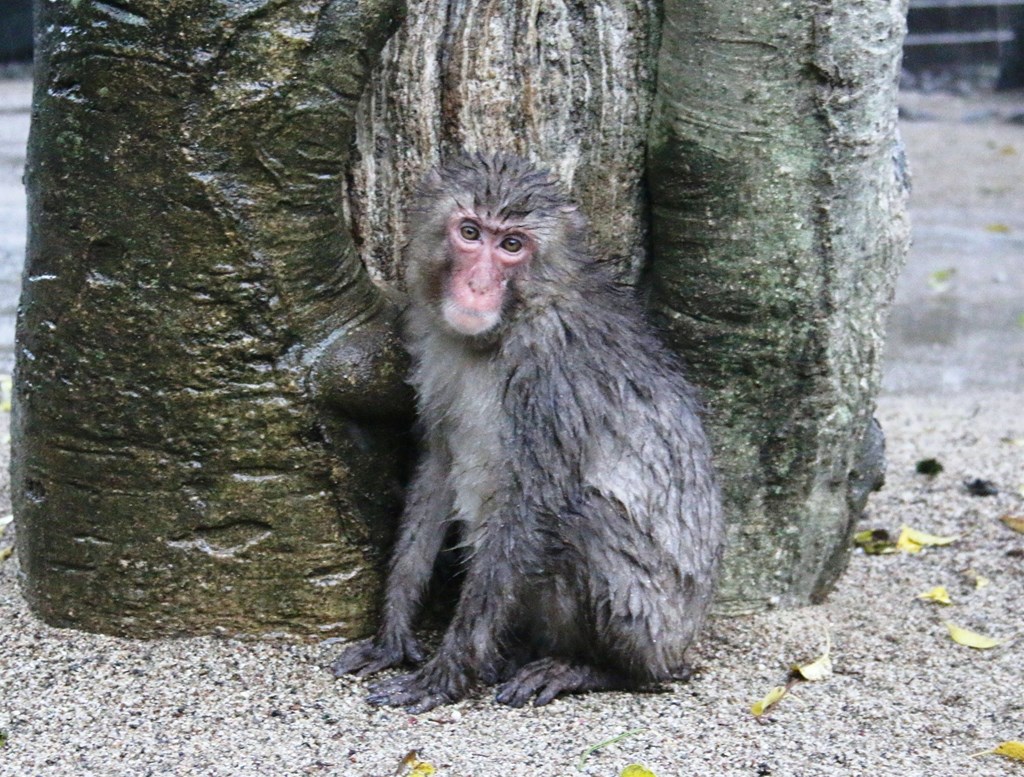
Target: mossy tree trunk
{"type": "Point", "coordinates": [210, 416]}
{"type": "Point", "coordinates": [778, 212]}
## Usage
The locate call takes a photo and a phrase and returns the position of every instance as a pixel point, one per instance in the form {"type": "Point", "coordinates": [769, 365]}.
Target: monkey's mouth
{"type": "Point", "coordinates": [467, 321]}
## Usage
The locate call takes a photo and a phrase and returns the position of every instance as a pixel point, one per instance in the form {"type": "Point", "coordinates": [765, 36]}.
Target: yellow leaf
{"type": "Point", "coordinates": [5, 553]}
{"type": "Point", "coordinates": [412, 766]}
{"type": "Point", "coordinates": [1015, 522]}
{"type": "Point", "coordinates": [913, 541]}
{"type": "Point", "coordinates": [937, 594]}
{"type": "Point", "coordinates": [980, 581]}
{"type": "Point", "coordinates": [636, 770]}
{"type": "Point", "coordinates": [819, 668]}
{"type": "Point", "coordinates": [997, 227]}
{"type": "Point", "coordinates": [940, 279]}
{"type": "Point", "coordinates": [5, 393]}
{"type": "Point", "coordinates": [1013, 750]}
{"type": "Point", "coordinates": [771, 698]}
{"type": "Point", "coordinates": [874, 542]}
{"type": "Point", "coordinates": [972, 639]}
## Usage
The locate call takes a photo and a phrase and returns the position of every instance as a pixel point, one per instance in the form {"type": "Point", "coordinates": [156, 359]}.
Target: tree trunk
{"type": "Point", "coordinates": [187, 260]}
{"type": "Point", "coordinates": [209, 409]}
{"type": "Point", "coordinates": [778, 213]}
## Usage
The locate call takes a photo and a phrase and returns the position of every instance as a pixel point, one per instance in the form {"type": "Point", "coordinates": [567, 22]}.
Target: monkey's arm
{"type": "Point", "coordinates": [421, 533]}
{"type": "Point", "coordinates": [470, 645]}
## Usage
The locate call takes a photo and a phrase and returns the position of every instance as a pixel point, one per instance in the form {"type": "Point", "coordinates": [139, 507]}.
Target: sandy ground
{"type": "Point", "coordinates": [903, 699]}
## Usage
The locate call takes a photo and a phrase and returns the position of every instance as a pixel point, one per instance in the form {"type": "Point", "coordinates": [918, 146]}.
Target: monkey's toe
{"type": "Point", "coordinates": [547, 678]}
{"type": "Point", "coordinates": [369, 656]}
{"type": "Point", "coordinates": [420, 691]}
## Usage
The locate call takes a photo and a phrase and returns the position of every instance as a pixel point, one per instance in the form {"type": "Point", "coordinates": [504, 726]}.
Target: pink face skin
{"type": "Point", "coordinates": [485, 253]}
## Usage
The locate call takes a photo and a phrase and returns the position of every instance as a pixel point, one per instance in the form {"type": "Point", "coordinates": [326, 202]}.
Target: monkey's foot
{"type": "Point", "coordinates": [547, 678]}
{"type": "Point", "coordinates": [371, 655]}
{"type": "Point", "coordinates": [437, 683]}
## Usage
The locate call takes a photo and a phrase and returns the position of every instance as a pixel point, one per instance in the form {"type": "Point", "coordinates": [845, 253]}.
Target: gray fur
{"type": "Point", "coordinates": [567, 447]}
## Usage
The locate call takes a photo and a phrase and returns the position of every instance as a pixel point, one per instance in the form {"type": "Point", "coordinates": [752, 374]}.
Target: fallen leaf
{"type": "Point", "coordinates": [412, 766]}
{"type": "Point", "coordinates": [940, 279]}
{"type": "Point", "coordinates": [980, 581]}
{"type": "Point", "coordinates": [874, 542]}
{"type": "Point", "coordinates": [594, 748]}
{"type": "Point", "coordinates": [979, 487]}
{"type": "Point", "coordinates": [636, 770]}
{"type": "Point", "coordinates": [937, 594]}
{"type": "Point", "coordinates": [770, 699]}
{"type": "Point", "coordinates": [819, 668]}
{"type": "Point", "coordinates": [997, 227]}
{"type": "Point", "coordinates": [971, 639]}
{"type": "Point", "coordinates": [1015, 522]}
{"type": "Point", "coordinates": [929, 467]}
{"type": "Point", "coordinates": [1014, 750]}
{"type": "Point", "coordinates": [5, 553]}
{"type": "Point", "coordinates": [913, 541]}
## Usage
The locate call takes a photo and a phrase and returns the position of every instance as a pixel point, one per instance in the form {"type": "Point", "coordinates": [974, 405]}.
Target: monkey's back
{"type": "Point", "coordinates": [616, 462]}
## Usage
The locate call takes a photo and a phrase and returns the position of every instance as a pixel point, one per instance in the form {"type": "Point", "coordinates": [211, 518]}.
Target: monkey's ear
{"type": "Point", "coordinates": [432, 180]}
{"type": "Point", "coordinates": [573, 216]}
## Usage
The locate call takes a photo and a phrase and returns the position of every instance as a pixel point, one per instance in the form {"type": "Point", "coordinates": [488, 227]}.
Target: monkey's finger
{"type": "Point", "coordinates": [427, 703]}
{"type": "Point", "coordinates": [548, 694]}
{"type": "Point", "coordinates": [354, 658]}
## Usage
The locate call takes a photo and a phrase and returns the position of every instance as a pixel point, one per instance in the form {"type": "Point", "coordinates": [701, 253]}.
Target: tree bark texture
{"type": "Point", "coordinates": [778, 216]}
{"type": "Point", "coordinates": [187, 262]}
{"type": "Point", "coordinates": [568, 84]}
{"type": "Point", "coordinates": [209, 406]}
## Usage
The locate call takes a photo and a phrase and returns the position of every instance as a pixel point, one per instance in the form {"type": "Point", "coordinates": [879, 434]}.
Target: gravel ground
{"type": "Point", "coordinates": [903, 699]}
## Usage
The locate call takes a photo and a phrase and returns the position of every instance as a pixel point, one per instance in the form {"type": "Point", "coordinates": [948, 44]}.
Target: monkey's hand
{"type": "Point", "coordinates": [371, 655]}
{"type": "Point", "coordinates": [439, 682]}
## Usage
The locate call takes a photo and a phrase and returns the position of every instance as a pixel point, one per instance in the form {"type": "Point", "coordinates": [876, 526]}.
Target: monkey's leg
{"type": "Point", "coordinates": [470, 645]}
{"type": "Point", "coordinates": [419, 541]}
{"type": "Point", "coordinates": [547, 678]}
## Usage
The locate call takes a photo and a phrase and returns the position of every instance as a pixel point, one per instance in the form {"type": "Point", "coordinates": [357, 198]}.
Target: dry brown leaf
{"type": "Point", "coordinates": [1015, 522]}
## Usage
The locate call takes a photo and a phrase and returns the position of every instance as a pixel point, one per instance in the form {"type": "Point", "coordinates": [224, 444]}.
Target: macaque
{"type": "Point", "coordinates": [563, 445]}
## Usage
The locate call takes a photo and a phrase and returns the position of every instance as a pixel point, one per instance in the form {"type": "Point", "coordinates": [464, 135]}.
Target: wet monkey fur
{"type": "Point", "coordinates": [563, 443]}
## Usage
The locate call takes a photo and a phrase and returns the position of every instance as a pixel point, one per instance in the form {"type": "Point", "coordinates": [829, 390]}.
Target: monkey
{"type": "Point", "coordinates": [563, 444]}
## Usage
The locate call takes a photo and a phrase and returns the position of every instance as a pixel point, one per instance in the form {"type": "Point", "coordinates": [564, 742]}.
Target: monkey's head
{"type": "Point", "coordinates": [490, 235]}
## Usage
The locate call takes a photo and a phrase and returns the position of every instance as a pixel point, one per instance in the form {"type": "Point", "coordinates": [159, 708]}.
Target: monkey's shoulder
{"type": "Point", "coordinates": [603, 363]}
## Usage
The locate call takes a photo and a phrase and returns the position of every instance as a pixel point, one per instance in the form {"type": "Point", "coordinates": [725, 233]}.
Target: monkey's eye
{"type": "Point", "coordinates": [512, 244]}
{"type": "Point", "coordinates": [470, 231]}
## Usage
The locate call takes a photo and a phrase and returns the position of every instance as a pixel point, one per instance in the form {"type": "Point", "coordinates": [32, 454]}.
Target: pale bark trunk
{"type": "Point", "coordinates": [778, 205]}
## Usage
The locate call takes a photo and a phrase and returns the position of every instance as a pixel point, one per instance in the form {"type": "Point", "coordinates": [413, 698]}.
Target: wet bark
{"type": "Point", "coordinates": [778, 212]}
{"type": "Point", "coordinates": [187, 262]}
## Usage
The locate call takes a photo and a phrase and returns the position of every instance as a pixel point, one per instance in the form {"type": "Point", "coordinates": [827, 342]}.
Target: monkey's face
{"type": "Point", "coordinates": [485, 256]}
